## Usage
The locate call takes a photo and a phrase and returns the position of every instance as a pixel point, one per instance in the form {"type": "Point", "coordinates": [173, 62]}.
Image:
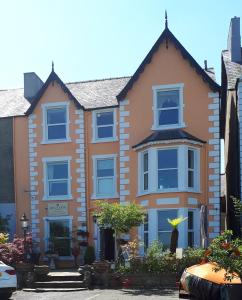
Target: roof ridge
{"type": "Point", "coordinates": [95, 80]}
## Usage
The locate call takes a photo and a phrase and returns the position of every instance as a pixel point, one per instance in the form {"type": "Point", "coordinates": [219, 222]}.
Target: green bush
{"type": "Point", "coordinates": [89, 256]}
{"type": "Point", "coordinates": [191, 256]}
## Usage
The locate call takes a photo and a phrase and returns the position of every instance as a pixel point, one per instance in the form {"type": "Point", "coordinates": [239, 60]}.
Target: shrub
{"type": "Point", "coordinates": [12, 253]}
{"type": "Point", "coordinates": [191, 256]}
{"type": "Point", "coordinates": [89, 256]}
{"type": "Point", "coordinates": [226, 254]}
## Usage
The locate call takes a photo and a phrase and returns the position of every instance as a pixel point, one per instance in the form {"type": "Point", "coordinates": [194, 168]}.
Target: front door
{"type": "Point", "coordinates": [59, 237]}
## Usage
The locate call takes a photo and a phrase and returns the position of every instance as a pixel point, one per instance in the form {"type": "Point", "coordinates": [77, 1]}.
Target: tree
{"type": "Point", "coordinates": [175, 233]}
{"type": "Point", "coordinates": [120, 218]}
{"type": "Point", "coordinates": [226, 253]}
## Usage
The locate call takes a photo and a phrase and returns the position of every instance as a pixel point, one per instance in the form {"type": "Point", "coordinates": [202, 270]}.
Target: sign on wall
{"type": "Point", "coordinates": [57, 209]}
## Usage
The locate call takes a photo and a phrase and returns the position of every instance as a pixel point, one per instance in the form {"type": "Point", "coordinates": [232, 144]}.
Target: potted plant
{"type": "Point", "coordinates": [52, 254]}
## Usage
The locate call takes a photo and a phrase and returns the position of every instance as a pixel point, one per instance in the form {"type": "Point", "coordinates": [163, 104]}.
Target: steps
{"type": "Point", "coordinates": [61, 280]}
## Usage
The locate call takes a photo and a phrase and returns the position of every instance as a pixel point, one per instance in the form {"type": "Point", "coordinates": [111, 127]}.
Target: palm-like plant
{"type": "Point", "coordinates": [175, 233]}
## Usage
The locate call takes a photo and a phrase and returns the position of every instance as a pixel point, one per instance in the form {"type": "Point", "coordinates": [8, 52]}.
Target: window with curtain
{"type": "Point", "coordinates": [167, 107]}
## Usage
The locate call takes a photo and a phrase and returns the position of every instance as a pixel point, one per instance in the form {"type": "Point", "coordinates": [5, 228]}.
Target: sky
{"type": "Point", "coordinates": [92, 39]}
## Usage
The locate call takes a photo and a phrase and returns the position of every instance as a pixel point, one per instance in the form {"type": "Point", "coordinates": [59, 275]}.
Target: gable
{"type": "Point", "coordinates": [53, 77]}
{"type": "Point", "coordinates": [166, 37]}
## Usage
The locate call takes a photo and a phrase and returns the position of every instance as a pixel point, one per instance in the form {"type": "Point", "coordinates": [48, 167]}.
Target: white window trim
{"type": "Point", "coordinates": [167, 87]}
{"type": "Point", "coordinates": [94, 177]}
{"type": "Point", "coordinates": [46, 160]}
{"type": "Point", "coordinates": [95, 139]}
{"type": "Point", "coordinates": [47, 106]}
{"type": "Point", "coordinates": [182, 170]}
{"type": "Point", "coordinates": [47, 231]}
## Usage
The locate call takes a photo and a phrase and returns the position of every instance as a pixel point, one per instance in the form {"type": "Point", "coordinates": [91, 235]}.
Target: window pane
{"type": "Point", "coordinates": [190, 220]}
{"type": "Point", "coordinates": [105, 118]}
{"type": "Point", "coordinates": [190, 159]}
{"type": "Point", "coordinates": [58, 188]}
{"type": "Point", "coordinates": [56, 115]}
{"type": "Point", "coordinates": [167, 179]}
{"type": "Point", "coordinates": [57, 170]}
{"type": "Point", "coordinates": [145, 162]}
{"type": "Point", "coordinates": [190, 179]}
{"type": "Point", "coordinates": [170, 116]}
{"type": "Point", "coordinates": [165, 238]}
{"type": "Point", "coordinates": [56, 132]}
{"type": "Point", "coordinates": [105, 167]}
{"type": "Point", "coordinates": [163, 215]}
{"type": "Point", "coordinates": [105, 186]}
{"type": "Point", "coordinates": [105, 132]}
{"type": "Point", "coordinates": [146, 224]}
{"type": "Point", "coordinates": [59, 228]}
{"type": "Point", "coordinates": [190, 239]}
{"type": "Point", "coordinates": [146, 241]}
{"type": "Point", "coordinates": [146, 181]}
{"type": "Point", "coordinates": [167, 159]}
{"type": "Point", "coordinates": [168, 99]}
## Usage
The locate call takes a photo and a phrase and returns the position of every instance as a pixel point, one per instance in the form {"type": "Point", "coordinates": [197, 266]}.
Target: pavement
{"type": "Point", "coordinates": [98, 294]}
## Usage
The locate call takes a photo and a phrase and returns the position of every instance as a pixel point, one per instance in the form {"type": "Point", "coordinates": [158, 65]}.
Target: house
{"type": "Point", "coordinates": [152, 138]}
{"type": "Point", "coordinates": [231, 120]}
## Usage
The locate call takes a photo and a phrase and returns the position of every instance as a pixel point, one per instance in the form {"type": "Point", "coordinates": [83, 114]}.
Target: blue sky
{"type": "Point", "coordinates": [104, 38]}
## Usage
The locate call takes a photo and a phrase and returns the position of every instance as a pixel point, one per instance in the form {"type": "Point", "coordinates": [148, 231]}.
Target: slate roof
{"type": "Point", "coordinates": [166, 135]}
{"type": "Point", "coordinates": [165, 37]}
{"type": "Point", "coordinates": [233, 70]}
{"type": "Point", "coordinates": [89, 94]}
{"type": "Point", "coordinates": [13, 103]}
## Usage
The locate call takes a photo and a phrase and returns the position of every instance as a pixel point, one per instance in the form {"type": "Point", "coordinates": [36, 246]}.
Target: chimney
{"type": "Point", "coordinates": [234, 41]}
{"type": "Point", "coordinates": [32, 84]}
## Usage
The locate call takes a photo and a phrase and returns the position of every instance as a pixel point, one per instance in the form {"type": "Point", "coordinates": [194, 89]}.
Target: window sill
{"type": "Point", "coordinates": [109, 140]}
{"type": "Point", "coordinates": [165, 127]}
{"type": "Point", "coordinates": [104, 197]}
{"type": "Point", "coordinates": [57, 198]}
{"type": "Point", "coordinates": [56, 141]}
{"type": "Point", "coordinates": [140, 194]}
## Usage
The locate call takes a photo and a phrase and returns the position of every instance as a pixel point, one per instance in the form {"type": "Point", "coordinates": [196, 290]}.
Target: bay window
{"type": "Point", "coordinates": [169, 169]}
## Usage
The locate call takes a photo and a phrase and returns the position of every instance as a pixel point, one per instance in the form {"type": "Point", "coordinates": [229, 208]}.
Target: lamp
{"type": "Point", "coordinates": [24, 224]}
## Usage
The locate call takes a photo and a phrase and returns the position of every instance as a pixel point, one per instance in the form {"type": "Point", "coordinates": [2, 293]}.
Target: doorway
{"type": "Point", "coordinates": [107, 244]}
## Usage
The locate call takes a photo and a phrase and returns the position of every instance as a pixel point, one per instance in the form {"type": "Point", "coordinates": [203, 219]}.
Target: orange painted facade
{"type": "Point", "coordinates": [133, 122]}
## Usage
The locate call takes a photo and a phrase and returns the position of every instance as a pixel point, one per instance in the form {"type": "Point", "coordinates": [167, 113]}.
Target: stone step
{"type": "Point", "coordinates": [68, 277]}
{"type": "Point", "coordinates": [43, 290]}
{"type": "Point", "coordinates": [58, 284]}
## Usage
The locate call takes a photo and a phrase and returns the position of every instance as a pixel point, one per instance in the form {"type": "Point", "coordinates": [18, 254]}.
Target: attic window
{"type": "Point", "coordinates": [55, 122]}
{"type": "Point", "coordinates": [168, 106]}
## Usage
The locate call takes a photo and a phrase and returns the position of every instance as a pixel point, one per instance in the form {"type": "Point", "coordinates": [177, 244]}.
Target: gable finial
{"type": "Point", "coordinates": [166, 20]}
{"type": "Point", "coordinates": [52, 66]}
